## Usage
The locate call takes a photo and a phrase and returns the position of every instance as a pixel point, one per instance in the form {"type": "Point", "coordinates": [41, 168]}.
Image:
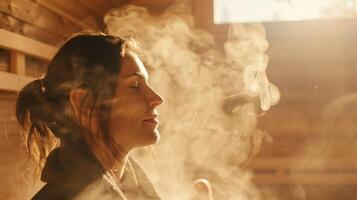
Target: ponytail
{"type": "Point", "coordinates": [33, 114]}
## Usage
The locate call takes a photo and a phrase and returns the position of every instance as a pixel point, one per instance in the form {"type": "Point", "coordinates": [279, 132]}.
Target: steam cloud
{"type": "Point", "coordinates": [212, 100]}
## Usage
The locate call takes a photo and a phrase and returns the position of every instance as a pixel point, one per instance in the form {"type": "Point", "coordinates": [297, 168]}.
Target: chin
{"type": "Point", "coordinates": [153, 137]}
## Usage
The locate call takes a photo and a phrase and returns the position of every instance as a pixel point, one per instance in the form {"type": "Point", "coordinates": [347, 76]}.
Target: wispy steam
{"type": "Point", "coordinates": [337, 124]}
{"type": "Point", "coordinates": [212, 100]}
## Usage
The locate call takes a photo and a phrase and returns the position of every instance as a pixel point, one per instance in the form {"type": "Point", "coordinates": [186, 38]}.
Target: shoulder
{"type": "Point", "coordinates": [95, 190]}
{"type": "Point", "coordinates": [138, 171]}
{"type": "Point", "coordinates": [53, 191]}
{"type": "Point", "coordinates": [143, 180]}
{"type": "Point", "coordinates": [66, 189]}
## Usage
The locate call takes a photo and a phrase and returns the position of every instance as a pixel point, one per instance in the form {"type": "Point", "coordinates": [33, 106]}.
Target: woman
{"type": "Point", "coordinates": [90, 110]}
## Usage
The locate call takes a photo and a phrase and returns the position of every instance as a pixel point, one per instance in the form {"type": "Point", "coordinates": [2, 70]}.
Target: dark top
{"type": "Point", "coordinates": [68, 170]}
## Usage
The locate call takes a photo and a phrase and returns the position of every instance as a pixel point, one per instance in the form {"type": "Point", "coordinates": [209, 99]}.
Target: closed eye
{"type": "Point", "coordinates": [135, 85]}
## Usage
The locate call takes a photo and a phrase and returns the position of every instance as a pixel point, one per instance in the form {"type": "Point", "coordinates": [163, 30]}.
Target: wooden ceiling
{"type": "Point", "coordinates": [51, 21]}
{"type": "Point", "coordinates": [88, 13]}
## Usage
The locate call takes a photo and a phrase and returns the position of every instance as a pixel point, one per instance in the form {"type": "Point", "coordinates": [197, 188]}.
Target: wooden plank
{"type": "Point", "coordinates": [303, 118]}
{"type": "Point", "coordinates": [92, 8]}
{"type": "Point", "coordinates": [38, 16]}
{"type": "Point", "coordinates": [329, 148]}
{"type": "Point", "coordinates": [117, 3]}
{"type": "Point", "coordinates": [13, 82]}
{"type": "Point", "coordinates": [72, 7]}
{"type": "Point", "coordinates": [35, 67]}
{"type": "Point", "coordinates": [204, 19]}
{"type": "Point", "coordinates": [303, 164]}
{"type": "Point", "coordinates": [26, 45]}
{"type": "Point", "coordinates": [95, 19]}
{"type": "Point", "coordinates": [17, 63]}
{"type": "Point", "coordinates": [40, 35]}
{"type": "Point", "coordinates": [153, 5]}
{"type": "Point", "coordinates": [10, 23]}
{"type": "Point", "coordinates": [331, 29]}
{"type": "Point", "coordinates": [16, 25]}
{"type": "Point", "coordinates": [4, 60]}
{"type": "Point", "coordinates": [63, 13]}
{"type": "Point", "coordinates": [306, 179]}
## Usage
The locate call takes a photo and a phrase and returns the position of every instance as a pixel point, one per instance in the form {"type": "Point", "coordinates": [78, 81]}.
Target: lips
{"type": "Point", "coordinates": [152, 121]}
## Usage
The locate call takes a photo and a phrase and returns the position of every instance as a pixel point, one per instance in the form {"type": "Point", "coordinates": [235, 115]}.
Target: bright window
{"type": "Point", "coordinates": [238, 11]}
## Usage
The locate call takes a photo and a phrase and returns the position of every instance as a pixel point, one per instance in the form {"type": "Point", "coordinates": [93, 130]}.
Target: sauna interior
{"type": "Point", "coordinates": [309, 151]}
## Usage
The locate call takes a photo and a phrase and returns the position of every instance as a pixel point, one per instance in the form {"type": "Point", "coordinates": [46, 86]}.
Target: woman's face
{"type": "Point", "coordinates": [134, 119]}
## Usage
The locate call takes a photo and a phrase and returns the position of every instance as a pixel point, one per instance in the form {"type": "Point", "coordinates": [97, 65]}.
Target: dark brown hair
{"type": "Point", "coordinates": [88, 61]}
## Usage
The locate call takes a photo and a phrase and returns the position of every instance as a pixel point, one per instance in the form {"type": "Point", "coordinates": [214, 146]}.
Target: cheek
{"type": "Point", "coordinates": [126, 115]}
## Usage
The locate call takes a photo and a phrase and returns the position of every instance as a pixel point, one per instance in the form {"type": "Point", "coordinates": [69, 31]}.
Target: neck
{"type": "Point", "coordinates": [119, 166]}
{"type": "Point", "coordinates": [113, 161]}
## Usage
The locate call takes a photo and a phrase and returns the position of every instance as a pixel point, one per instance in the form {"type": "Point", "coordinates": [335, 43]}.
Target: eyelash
{"type": "Point", "coordinates": [136, 87]}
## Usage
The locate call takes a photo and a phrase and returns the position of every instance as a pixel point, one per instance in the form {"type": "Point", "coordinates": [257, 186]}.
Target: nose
{"type": "Point", "coordinates": [155, 99]}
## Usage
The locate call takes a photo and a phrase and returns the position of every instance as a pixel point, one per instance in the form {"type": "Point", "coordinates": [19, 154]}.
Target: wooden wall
{"type": "Point", "coordinates": [30, 31]}
{"type": "Point", "coordinates": [26, 30]}
{"type": "Point", "coordinates": [14, 171]}
{"type": "Point", "coordinates": [313, 63]}
{"type": "Point", "coordinates": [52, 21]}
{"type": "Point", "coordinates": [315, 66]}
{"type": "Point", "coordinates": [16, 175]}
{"type": "Point", "coordinates": [35, 21]}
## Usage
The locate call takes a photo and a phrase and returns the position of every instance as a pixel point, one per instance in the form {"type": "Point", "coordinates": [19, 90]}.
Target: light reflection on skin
{"type": "Point", "coordinates": [135, 102]}
{"type": "Point", "coordinates": [133, 118]}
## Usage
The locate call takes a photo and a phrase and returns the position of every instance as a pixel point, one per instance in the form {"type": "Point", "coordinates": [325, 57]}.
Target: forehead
{"type": "Point", "coordinates": [132, 64]}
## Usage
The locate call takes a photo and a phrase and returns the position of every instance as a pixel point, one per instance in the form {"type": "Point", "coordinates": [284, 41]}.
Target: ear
{"type": "Point", "coordinates": [81, 109]}
{"type": "Point", "coordinates": [76, 98]}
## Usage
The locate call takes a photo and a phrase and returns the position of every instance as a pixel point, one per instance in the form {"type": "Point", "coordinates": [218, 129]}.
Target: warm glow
{"type": "Point", "coordinates": [228, 11]}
